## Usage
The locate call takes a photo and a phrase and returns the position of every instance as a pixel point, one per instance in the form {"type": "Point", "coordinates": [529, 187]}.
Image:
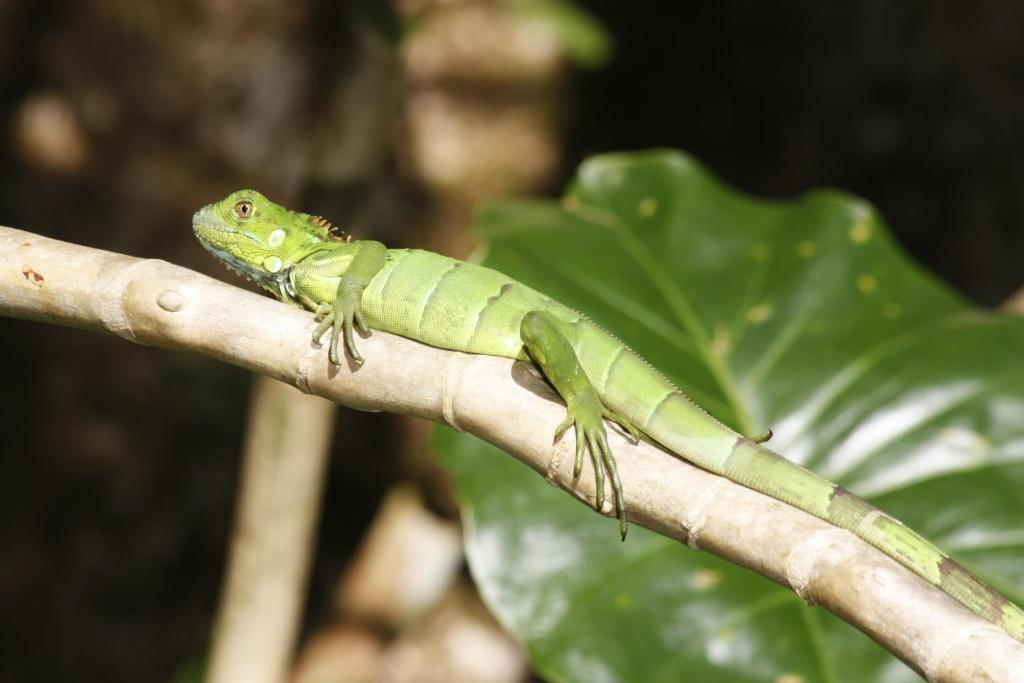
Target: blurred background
{"type": "Point", "coordinates": [395, 120]}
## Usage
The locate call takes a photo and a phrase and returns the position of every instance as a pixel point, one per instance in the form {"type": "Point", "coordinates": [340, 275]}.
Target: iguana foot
{"type": "Point", "coordinates": [587, 415]}
{"type": "Point", "coordinates": [340, 318]}
{"type": "Point", "coordinates": [323, 309]}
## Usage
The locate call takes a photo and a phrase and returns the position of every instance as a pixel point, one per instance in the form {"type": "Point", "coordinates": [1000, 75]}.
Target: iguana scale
{"type": "Point", "coordinates": [461, 306]}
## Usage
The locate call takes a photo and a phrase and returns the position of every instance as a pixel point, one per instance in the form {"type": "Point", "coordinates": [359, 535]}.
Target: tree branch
{"type": "Point", "coordinates": [155, 303]}
{"type": "Point", "coordinates": [286, 454]}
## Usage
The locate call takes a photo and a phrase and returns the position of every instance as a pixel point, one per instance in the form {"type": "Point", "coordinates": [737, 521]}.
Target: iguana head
{"type": "Point", "coordinates": [256, 237]}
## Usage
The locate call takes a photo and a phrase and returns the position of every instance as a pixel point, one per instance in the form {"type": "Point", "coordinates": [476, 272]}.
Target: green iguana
{"type": "Point", "coordinates": [461, 306]}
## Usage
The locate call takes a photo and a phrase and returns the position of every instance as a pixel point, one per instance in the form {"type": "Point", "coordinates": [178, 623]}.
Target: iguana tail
{"type": "Point", "coordinates": [634, 389]}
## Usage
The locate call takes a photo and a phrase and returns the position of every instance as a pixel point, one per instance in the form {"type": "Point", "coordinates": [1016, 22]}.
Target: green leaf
{"type": "Point", "coordinates": [802, 316]}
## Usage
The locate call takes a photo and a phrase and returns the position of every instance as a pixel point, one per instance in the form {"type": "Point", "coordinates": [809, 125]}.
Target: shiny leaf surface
{"type": "Point", "coordinates": [802, 316]}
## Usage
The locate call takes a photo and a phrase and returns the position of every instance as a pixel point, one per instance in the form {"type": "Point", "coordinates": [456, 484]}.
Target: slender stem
{"type": "Point", "coordinates": [286, 452]}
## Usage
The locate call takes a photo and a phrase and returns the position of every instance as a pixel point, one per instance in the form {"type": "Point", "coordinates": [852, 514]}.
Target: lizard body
{"type": "Point", "coordinates": [461, 306]}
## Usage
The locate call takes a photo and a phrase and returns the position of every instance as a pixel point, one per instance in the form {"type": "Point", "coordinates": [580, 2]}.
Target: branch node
{"type": "Point", "coordinates": [109, 298]}
{"type": "Point", "coordinates": [803, 559]}
{"type": "Point", "coordinates": [171, 300]}
{"type": "Point", "coordinates": [697, 516]}
{"type": "Point", "coordinates": [450, 382]}
{"type": "Point", "coordinates": [554, 466]}
{"type": "Point", "coordinates": [305, 366]}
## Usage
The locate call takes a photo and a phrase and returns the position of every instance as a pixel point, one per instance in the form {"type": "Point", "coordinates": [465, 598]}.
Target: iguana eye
{"type": "Point", "coordinates": [243, 208]}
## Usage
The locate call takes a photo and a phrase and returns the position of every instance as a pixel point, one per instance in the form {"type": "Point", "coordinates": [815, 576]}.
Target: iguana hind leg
{"type": "Point", "coordinates": [550, 349]}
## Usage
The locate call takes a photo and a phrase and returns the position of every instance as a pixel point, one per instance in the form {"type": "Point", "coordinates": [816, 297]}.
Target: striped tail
{"type": "Point", "coordinates": [632, 388]}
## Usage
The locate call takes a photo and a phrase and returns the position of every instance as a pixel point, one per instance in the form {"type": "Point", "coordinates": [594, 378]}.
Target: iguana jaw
{"type": "Point", "coordinates": [239, 251]}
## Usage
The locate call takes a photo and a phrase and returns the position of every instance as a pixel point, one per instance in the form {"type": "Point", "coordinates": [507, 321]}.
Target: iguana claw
{"type": "Point", "coordinates": [340, 318]}
{"type": "Point", "coordinates": [587, 415]}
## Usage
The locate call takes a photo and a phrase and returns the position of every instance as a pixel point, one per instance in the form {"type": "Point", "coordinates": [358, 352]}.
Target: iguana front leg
{"type": "Point", "coordinates": [551, 350]}
{"type": "Point", "coordinates": [356, 263]}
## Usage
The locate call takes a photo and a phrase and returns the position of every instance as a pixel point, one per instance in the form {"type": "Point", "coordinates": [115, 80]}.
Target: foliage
{"type": "Point", "coordinates": [802, 316]}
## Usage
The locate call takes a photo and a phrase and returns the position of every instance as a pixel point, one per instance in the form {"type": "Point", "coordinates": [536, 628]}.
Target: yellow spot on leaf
{"type": "Point", "coordinates": [860, 232]}
{"type": "Point", "coordinates": [612, 177]}
{"type": "Point", "coordinates": [807, 248]}
{"type": "Point", "coordinates": [647, 207]}
{"type": "Point", "coordinates": [966, 441]}
{"type": "Point", "coordinates": [892, 310]}
{"type": "Point", "coordinates": [789, 678]}
{"type": "Point", "coordinates": [570, 203]}
{"type": "Point", "coordinates": [623, 600]}
{"type": "Point", "coordinates": [726, 633]}
{"type": "Point", "coordinates": [867, 284]}
{"type": "Point", "coordinates": [720, 342]}
{"type": "Point", "coordinates": [706, 578]}
{"type": "Point", "coordinates": [759, 313]}
{"type": "Point", "coordinates": [761, 253]}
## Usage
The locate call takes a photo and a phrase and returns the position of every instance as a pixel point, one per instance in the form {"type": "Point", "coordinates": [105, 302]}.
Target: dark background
{"type": "Point", "coordinates": [119, 462]}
